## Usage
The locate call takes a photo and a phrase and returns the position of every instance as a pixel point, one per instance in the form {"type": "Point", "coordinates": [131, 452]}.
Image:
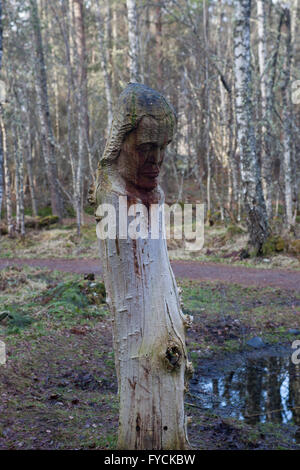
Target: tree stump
{"type": "Point", "coordinates": [148, 324]}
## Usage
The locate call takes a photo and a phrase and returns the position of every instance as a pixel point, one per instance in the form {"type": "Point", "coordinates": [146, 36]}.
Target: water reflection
{"type": "Point", "coordinates": [260, 390]}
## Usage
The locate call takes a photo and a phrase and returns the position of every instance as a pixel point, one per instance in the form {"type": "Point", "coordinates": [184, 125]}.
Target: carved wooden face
{"type": "Point", "coordinates": [142, 152]}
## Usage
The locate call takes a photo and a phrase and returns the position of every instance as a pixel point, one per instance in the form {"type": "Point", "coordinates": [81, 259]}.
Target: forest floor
{"type": "Point", "coordinates": [58, 389]}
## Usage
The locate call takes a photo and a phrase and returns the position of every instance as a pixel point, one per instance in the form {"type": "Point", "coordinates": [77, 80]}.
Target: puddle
{"type": "Point", "coordinates": [256, 387]}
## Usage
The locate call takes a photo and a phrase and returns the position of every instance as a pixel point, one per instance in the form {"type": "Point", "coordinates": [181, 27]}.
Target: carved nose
{"type": "Point", "coordinates": [155, 157]}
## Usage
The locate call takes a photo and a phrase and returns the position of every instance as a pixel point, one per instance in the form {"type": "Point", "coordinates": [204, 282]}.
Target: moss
{"type": "Point", "coordinates": [274, 244]}
{"type": "Point", "coordinates": [234, 230]}
{"type": "Point", "coordinates": [294, 247]}
{"type": "Point", "coordinates": [280, 244]}
{"type": "Point", "coordinates": [47, 221]}
{"type": "Point", "coordinates": [3, 229]}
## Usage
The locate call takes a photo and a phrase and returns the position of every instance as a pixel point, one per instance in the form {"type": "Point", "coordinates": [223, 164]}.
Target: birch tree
{"type": "Point", "coordinates": [262, 60]}
{"type": "Point", "coordinates": [44, 113]}
{"type": "Point", "coordinates": [8, 201]}
{"type": "Point", "coordinates": [286, 120]}
{"type": "Point", "coordinates": [104, 65]}
{"type": "Point", "coordinates": [81, 101]}
{"type": "Point", "coordinates": [133, 39]}
{"type": "Point", "coordinates": [250, 170]}
{"type": "Point", "coordinates": [1, 148]}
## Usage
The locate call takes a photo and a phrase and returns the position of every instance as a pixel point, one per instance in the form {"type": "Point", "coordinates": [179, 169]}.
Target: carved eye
{"type": "Point", "coordinates": [145, 147]}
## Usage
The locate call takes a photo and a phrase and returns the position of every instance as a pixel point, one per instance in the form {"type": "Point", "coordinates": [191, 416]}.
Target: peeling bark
{"type": "Point", "coordinates": [250, 170]}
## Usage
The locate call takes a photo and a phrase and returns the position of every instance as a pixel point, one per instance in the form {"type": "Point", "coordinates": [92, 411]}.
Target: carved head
{"type": "Point", "coordinates": [142, 127]}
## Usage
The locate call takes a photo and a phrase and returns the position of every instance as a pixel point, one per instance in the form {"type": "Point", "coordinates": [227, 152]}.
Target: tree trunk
{"type": "Point", "coordinates": [104, 66]}
{"type": "Point", "coordinates": [1, 147]}
{"type": "Point", "coordinates": [207, 112]}
{"type": "Point", "coordinates": [148, 330]}
{"type": "Point", "coordinates": [44, 114]}
{"type": "Point", "coordinates": [266, 162]}
{"type": "Point", "coordinates": [133, 38]}
{"type": "Point", "coordinates": [19, 162]}
{"type": "Point", "coordinates": [83, 125]}
{"type": "Point", "coordinates": [29, 160]}
{"type": "Point", "coordinates": [10, 226]}
{"type": "Point", "coordinates": [148, 324]}
{"type": "Point", "coordinates": [286, 121]}
{"type": "Point", "coordinates": [159, 44]}
{"type": "Point", "coordinates": [250, 171]}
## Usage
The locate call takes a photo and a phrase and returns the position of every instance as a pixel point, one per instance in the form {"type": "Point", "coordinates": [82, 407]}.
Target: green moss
{"type": "Point", "coordinates": [234, 230]}
{"type": "Point", "coordinates": [47, 221]}
{"type": "Point", "coordinates": [294, 247]}
{"type": "Point", "coordinates": [274, 244]}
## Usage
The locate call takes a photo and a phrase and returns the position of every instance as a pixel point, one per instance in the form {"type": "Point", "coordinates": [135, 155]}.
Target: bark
{"type": "Point", "coordinates": [266, 161]}
{"type": "Point", "coordinates": [81, 59]}
{"type": "Point", "coordinates": [82, 122]}
{"type": "Point", "coordinates": [148, 324]}
{"type": "Point", "coordinates": [159, 44]}
{"type": "Point", "coordinates": [250, 170]}
{"type": "Point", "coordinates": [19, 175]}
{"type": "Point", "coordinates": [133, 38]}
{"type": "Point", "coordinates": [1, 147]}
{"type": "Point", "coordinates": [1, 175]}
{"type": "Point", "coordinates": [29, 161]}
{"type": "Point", "coordinates": [44, 113]}
{"type": "Point", "coordinates": [207, 113]}
{"type": "Point", "coordinates": [286, 119]}
{"type": "Point", "coordinates": [6, 179]}
{"type": "Point", "coordinates": [104, 66]}
{"type": "Point", "coordinates": [268, 156]}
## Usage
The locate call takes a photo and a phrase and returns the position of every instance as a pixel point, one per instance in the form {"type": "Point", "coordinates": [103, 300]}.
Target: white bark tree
{"type": "Point", "coordinates": [262, 60]}
{"type": "Point", "coordinates": [41, 86]}
{"type": "Point", "coordinates": [286, 121]}
{"type": "Point", "coordinates": [133, 38]}
{"type": "Point", "coordinates": [7, 180]}
{"type": "Point", "coordinates": [250, 170]}
{"type": "Point", "coordinates": [1, 149]}
{"type": "Point", "coordinates": [104, 66]}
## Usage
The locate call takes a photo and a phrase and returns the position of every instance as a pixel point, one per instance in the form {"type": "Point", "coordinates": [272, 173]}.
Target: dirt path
{"type": "Point", "coordinates": [281, 278]}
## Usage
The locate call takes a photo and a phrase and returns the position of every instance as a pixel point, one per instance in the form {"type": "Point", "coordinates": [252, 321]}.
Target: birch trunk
{"type": "Point", "coordinates": [1, 146]}
{"type": "Point", "coordinates": [1, 175]}
{"type": "Point", "coordinates": [19, 163]}
{"type": "Point", "coordinates": [44, 113]}
{"type": "Point", "coordinates": [10, 226]}
{"type": "Point", "coordinates": [133, 38]}
{"type": "Point", "coordinates": [286, 120]}
{"type": "Point", "coordinates": [266, 162]}
{"type": "Point", "coordinates": [104, 66]}
{"type": "Point", "coordinates": [207, 113]}
{"type": "Point", "coordinates": [81, 101]}
{"type": "Point", "coordinates": [250, 171]}
{"type": "Point", "coordinates": [148, 324]}
{"type": "Point", "coordinates": [159, 43]}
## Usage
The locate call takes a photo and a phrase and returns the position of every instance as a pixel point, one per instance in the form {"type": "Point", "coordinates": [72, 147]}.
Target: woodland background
{"type": "Point", "coordinates": [65, 63]}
